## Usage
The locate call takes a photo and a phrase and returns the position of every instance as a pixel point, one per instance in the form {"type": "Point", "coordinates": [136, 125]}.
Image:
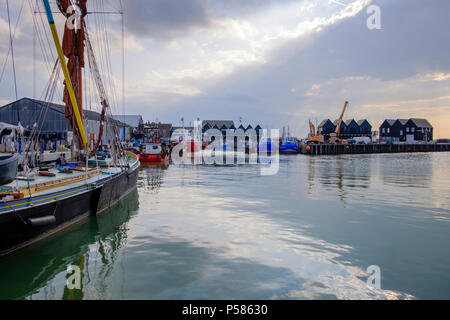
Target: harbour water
{"type": "Point", "coordinates": [208, 232]}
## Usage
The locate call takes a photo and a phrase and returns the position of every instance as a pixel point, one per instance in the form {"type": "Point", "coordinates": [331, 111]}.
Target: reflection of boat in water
{"type": "Point", "coordinates": [31, 211]}
{"type": "Point", "coordinates": [155, 165]}
{"type": "Point", "coordinates": [39, 264]}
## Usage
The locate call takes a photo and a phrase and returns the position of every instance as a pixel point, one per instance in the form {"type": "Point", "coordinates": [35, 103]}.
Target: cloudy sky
{"type": "Point", "coordinates": [274, 62]}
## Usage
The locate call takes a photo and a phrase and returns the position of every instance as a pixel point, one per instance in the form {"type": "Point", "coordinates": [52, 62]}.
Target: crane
{"type": "Point", "coordinates": [312, 129]}
{"type": "Point", "coordinates": [312, 136]}
{"type": "Point", "coordinates": [334, 136]}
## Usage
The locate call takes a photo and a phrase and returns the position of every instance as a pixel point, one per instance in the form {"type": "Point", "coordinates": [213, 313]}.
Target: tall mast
{"type": "Point", "coordinates": [65, 70]}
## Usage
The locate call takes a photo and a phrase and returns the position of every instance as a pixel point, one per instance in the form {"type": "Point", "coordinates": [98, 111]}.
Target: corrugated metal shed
{"type": "Point", "coordinates": [49, 116]}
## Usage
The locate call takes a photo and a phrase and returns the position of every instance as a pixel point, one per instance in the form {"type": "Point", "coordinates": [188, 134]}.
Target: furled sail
{"type": "Point", "coordinates": [73, 49]}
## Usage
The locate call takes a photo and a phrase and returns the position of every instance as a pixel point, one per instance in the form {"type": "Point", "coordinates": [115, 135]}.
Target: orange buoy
{"type": "Point", "coordinates": [308, 148]}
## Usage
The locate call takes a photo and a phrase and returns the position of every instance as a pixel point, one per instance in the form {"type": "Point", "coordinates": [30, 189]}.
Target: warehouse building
{"type": "Point", "coordinates": [50, 119]}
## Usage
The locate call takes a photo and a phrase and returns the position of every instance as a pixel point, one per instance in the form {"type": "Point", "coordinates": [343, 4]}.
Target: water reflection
{"type": "Point", "coordinates": [29, 272]}
{"type": "Point", "coordinates": [151, 176]}
{"type": "Point", "coordinates": [203, 232]}
{"type": "Point", "coordinates": [396, 170]}
{"type": "Point", "coordinates": [341, 173]}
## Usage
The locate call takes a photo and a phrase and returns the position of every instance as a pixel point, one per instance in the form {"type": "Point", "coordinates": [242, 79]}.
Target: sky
{"type": "Point", "coordinates": [270, 62]}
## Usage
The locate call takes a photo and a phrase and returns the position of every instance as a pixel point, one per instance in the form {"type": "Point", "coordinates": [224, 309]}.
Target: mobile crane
{"type": "Point", "coordinates": [334, 136]}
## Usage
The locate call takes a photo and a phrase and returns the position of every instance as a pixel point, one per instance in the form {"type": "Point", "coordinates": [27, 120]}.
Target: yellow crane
{"type": "Point", "coordinates": [312, 136]}
{"type": "Point", "coordinates": [334, 136]}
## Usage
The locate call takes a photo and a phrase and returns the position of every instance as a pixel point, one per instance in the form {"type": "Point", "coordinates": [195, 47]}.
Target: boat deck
{"type": "Point", "coordinates": [42, 185]}
{"type": "Point", "coordinates": [44, 189]}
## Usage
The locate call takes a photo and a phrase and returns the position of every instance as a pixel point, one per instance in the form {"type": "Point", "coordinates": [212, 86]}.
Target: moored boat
{"type": "Point", "coordinates": [154, 152]}
{"type": "Point", "coordinates": [288, 146]}
{"type": "Point", "coordinates": [44, 201]}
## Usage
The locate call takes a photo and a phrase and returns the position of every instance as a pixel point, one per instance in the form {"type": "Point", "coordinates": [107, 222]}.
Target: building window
{"type": "Point", "coordinates": [383, 130]}
{"type": "Point", "coordinates": [412, 129]}
{"type": "Point", "coordinates": [388, 130]}
{"type": "Point", "coordinates": [407, 129]}
{"type": "Point", "coordinates": [401, 132]}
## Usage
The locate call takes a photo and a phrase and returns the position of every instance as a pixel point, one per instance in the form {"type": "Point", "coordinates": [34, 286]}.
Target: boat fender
{"type": "Point", "coordinates": [41, 221]}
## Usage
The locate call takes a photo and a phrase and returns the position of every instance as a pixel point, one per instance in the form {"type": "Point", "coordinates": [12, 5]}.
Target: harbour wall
{"type": "Point", "coordinates": [329, 149]}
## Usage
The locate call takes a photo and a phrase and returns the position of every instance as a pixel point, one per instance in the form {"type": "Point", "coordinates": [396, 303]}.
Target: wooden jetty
{"type": "Point", "coordinates": [330, 149]}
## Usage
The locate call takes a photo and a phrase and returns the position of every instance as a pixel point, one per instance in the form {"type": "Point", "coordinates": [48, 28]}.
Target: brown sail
{"type": "Point", "coordinates": [73, 49]}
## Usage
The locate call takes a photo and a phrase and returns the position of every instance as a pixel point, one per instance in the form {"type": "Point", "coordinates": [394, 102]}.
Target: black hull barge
{"type": "Point", "coordinates": [32, 218]}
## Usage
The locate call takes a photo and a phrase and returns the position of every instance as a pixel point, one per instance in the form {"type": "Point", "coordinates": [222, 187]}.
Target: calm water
{"type": "Point", "coordinates": [226, 232]}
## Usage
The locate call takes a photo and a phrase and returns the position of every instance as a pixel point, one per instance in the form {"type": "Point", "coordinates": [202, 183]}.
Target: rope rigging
{"type": "Point", "coordinates": [100, 74]}
{"type": "Point", "coordinates": [12, 54]}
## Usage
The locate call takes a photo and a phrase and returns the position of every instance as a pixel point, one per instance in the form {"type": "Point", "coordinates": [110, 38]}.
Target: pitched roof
{"type": "Point", "coordinates": [403, 121]}
{"type": "Point", "coordinates": [218, 123]}
{"type": "Point", "coordinates": [390, 121]}
{"type": "Point", "coordinates": [421, 123]}
{"type": "Point", "coordinates": [360, 122]}
{"type": "Point", "coordinates": [323, 122]}
{"type": "Point", "coordinates": [335, 122]}
{"type": "Point", "coordinates": [348, 121]}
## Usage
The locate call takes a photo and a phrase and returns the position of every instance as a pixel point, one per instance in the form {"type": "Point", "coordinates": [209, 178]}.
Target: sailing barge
{"type": "Point", "coordinates": [38, 206]}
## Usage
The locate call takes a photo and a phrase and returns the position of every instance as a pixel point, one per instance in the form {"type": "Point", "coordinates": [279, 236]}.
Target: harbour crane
{"type": "Point", "coordinates": [334, 136]}
{"type": "Point", "coordinates": [313, 137]}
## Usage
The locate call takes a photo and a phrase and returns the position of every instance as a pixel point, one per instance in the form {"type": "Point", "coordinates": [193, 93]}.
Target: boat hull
{"type": "Point", "coordinates": [153, 158]}
{"type": "Point", "coordinates": [21, 225]}
{"type": "Point", "coordinates": [288, 148]}
{"type": "Point", "coordinates": [8, 168]}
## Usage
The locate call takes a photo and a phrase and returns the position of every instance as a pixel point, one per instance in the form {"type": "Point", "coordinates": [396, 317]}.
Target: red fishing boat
{"type": "Point", "coordinates": [154, 152]}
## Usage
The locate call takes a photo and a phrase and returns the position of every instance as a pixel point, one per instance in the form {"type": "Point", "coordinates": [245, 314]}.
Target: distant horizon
{"type": "Point", "coordinates": [274, 63]}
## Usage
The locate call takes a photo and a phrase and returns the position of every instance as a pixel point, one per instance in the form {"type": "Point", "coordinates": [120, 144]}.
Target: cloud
{"type": "Point", "coordinates": [275, 62]}
{"type": "Point", "coordinates": [344, 61]}
{"type": "Point", "coordinates": [166, 19]}
{"type": "Point", "coordinates": [438, 76]}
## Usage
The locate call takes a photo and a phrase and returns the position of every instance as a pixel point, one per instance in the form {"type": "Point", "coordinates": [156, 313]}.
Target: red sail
{"type": "Point", "coordinates": [73, 49]}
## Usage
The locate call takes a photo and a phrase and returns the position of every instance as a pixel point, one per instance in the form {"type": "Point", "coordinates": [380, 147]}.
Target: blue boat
{"type": "Point", "coordinates": [288, 146]}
